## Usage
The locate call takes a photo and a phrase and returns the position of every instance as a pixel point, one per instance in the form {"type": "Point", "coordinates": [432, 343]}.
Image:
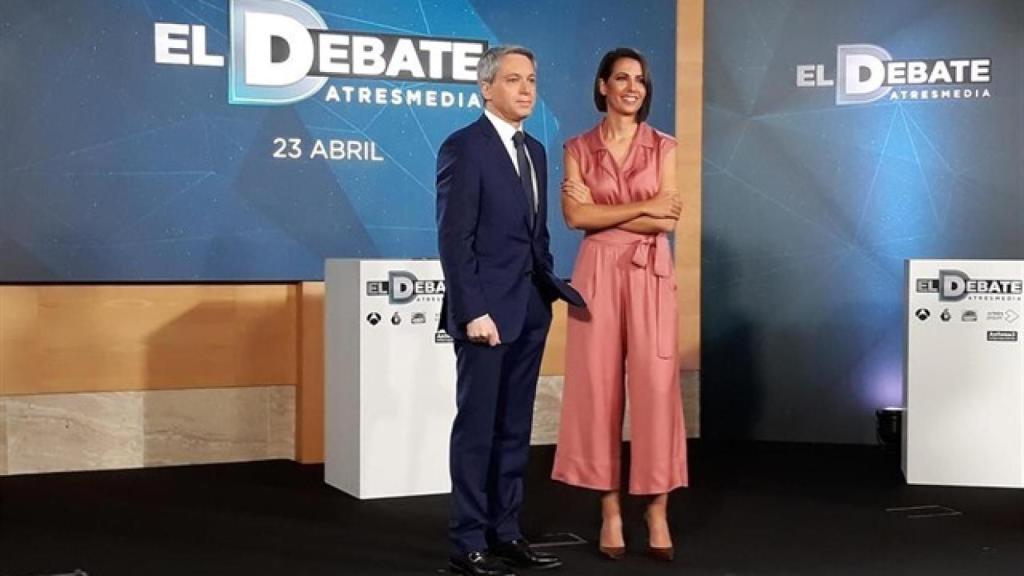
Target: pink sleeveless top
{"type": "Point", "coordinates": [636, 179]}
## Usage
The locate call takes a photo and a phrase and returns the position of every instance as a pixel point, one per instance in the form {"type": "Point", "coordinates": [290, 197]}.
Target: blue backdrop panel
{"type": "Point", "coordinates": [811, 207]}
{"type": "Point", "coordinates": [117, 168]}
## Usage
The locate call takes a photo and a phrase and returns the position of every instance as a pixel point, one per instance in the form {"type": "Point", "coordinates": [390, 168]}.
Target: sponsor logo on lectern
{"type": "Point", "coordinates": [969, 316]}
{"type": "Point", "coordinates": [1008, 316]}
{"type": "Point", "coordinates": [866, 73]}
{"type": "Point", "coordinates": [1002, 336]}
{"type": "Point", "coordinates": [373, 318]}
{"type": "Point", "coordinates": [922, 314]}
{"type": "Point", "coordinates": [954, 286]}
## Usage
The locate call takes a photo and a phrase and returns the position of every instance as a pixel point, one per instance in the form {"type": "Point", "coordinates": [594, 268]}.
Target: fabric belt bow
{"type": "Point", "coordinates": [662, 273]}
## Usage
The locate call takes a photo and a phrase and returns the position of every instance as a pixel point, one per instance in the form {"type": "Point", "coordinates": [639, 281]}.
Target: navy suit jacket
{"type": "Point", "coordinates": [490, 252]}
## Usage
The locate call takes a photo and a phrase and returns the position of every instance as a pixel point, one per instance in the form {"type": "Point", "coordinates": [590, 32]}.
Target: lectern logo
{"type": "Point", "coordinates": [954, 286]}
{"type": "Point", "coordinates": [922, 314]}
{"type": "Point", "coordinates": [404, 287]}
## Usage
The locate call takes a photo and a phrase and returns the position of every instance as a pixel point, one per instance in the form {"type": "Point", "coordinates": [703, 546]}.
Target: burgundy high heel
{"type": "Point", "coordinates": [664, 554]}
{"type": "Point", "coordinates": [612, 552]}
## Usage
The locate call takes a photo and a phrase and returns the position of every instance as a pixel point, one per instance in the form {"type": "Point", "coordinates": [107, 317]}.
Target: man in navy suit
{"type": "Point", "coordinates": [499, 284]}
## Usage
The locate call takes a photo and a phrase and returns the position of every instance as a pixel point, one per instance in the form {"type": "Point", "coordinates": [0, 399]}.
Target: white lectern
{"type": "Point", "coordinates": [390, 378]}
{"type": "Point", "coordinates": [964, 383]}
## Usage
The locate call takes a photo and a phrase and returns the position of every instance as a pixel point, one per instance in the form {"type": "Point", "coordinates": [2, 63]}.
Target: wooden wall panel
{"type": "Point", "coordinates": [689, 130]}
{"type": "Point", "coordinates": [309, 400]}
{"type": "Point", "coordinates": [553, 363]}
{"type": "Point", "coordinates": [142, 337]}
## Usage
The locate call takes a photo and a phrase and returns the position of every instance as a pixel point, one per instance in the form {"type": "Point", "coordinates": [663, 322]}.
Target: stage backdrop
{"type": "Point", "coordinates": [248, 140]}
{"type": "Point", "coordinates": [841, 138]}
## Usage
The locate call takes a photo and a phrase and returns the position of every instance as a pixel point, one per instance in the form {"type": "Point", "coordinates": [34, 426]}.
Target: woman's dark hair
{"type": "Point", "coordinates": [604, 72]}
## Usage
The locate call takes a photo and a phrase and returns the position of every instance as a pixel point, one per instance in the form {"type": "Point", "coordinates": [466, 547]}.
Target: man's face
{"type": "Point", "coordinates": [514, 90]}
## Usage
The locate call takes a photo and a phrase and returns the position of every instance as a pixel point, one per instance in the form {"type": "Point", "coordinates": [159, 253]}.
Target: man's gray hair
{"type": "Point", "coordinates": [487, 68]}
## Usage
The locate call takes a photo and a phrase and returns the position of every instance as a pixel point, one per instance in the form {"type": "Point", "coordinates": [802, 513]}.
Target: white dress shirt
{"type": "Point", "coordinates": [506, 131]}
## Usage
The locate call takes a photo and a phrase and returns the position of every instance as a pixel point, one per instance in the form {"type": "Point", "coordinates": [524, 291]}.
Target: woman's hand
{"type": "Point", "coordinates": [577, 191]}
{"type": "Point", "coordinates": [666, 204]}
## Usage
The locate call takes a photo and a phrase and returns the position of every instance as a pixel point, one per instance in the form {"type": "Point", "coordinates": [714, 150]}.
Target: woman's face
{"type": "Point", "coordinates": [624, 90]}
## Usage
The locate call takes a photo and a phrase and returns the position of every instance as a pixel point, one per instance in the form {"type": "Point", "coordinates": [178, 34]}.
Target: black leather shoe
{"type": "Point", "coordinates": [478, 564]}
{"type": "Point", "coordinates": [519, 554]}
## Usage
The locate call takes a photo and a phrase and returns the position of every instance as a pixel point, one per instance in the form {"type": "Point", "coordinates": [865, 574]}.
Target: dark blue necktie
{"type": "Point", "coordinates": [525, 172]}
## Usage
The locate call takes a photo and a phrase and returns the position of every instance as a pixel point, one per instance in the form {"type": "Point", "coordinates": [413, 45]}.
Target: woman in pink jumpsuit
{"type": "Point", "coordinates": [620, 188]}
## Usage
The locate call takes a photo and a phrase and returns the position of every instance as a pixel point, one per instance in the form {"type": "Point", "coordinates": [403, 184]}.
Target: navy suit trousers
{"type": "Point", "coordinates": [490, 439]}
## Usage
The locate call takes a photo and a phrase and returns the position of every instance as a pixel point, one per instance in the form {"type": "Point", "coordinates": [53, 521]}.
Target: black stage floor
{"type": "Point", "coordinates": [758, 509]}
